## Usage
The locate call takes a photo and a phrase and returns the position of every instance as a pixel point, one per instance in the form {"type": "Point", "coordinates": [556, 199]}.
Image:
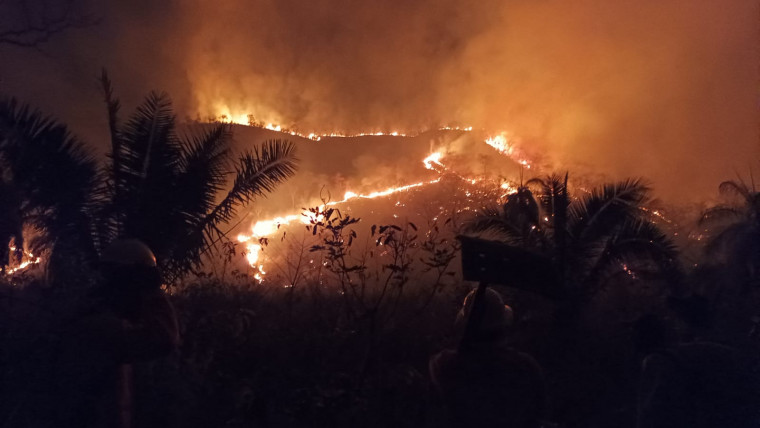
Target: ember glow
{"type": "Point", "coordinates": [432, 161]}
{"type": "Point", "coordinates": [243, 119]}
{"type": "Point", "coordinates": [27, 261]}
{"type": "Point", "coordinates": [504, 146]}
{"type": "Point", "coordinates": [267, 228]}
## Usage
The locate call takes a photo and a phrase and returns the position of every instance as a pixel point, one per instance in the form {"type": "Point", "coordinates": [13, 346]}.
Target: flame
{"type": "Point", "coordinates": [28, 260]}
{"type": "Point", "coordinates": [24, 265]}
{"type": "Point", "coordinates": [266, 228]}
{"type": "Point", "coordinates": [225, 115]}
{"type": "Point", "coordinates": [504, 146]}
{"type": "Point", "coordinates": [434, 158]}
{"type": "Point", "coordinates": [509, 188]}
{"type": "Point", "coordinates": [386, 192]}
{"type": "Point", "coordinates": [252, 253]}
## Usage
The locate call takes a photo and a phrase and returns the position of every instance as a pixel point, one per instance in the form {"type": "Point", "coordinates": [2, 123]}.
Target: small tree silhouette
{"type": "Point", "coordinates": [30, 23]}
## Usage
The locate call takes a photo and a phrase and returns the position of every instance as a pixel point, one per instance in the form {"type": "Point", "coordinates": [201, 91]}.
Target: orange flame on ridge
{"type": "Point", "coordinates": [265, 228]}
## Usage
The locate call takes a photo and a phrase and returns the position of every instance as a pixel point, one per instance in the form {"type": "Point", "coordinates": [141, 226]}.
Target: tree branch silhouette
{"type": "Point", "coordinates": [30, 23]}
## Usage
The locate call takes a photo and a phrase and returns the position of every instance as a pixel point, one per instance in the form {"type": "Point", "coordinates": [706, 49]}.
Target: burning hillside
{"type": "Point", "coordinates": [379, 172]}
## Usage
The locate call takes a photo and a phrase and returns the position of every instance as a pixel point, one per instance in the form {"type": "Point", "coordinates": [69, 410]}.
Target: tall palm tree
{"type": "Point", "coordinates": [47, 180]}
{"type": "Point", "coordinates": [586, 240]}
{"type": "Point", "coordinates": [162, 186]}
{"type": "Point", "coordinates": [734, 230]}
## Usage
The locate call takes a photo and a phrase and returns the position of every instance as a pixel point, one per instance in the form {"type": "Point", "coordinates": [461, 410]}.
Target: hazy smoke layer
{"type": "Point", "coordinates": [665, 89]}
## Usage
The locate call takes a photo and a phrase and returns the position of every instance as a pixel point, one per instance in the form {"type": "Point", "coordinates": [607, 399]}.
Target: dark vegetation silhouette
{"type": "Point", "coordinates": [49, 181]}
{"type": "Point", "coordinates": [728, 273]}
{"type": "Point", "coordinates": [733, 228]}
{"type": "Point", "coordinates": [587, 241]}
{"type": "Point", "coordinates": [160, 184]}
{"type": "Point", "coordinates": [598, 244]}
{"type": "Point", "coordinates": [346, 341]}
{"type": "Point", "coordinates": [31, 23]}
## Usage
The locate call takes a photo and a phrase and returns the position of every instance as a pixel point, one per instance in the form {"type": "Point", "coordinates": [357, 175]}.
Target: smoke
{"type": "Point", "coordinates": [666, 89]}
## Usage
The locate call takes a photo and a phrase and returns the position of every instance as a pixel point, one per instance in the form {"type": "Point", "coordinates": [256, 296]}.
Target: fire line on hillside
{"type": "Point", "coordinates": [264, 229]}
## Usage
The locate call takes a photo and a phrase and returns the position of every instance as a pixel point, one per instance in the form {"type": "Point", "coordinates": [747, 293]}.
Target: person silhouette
{"type": "Point", "coordinates": [132, 321]}
{"type": "Point", "coordinates": [486, 382]}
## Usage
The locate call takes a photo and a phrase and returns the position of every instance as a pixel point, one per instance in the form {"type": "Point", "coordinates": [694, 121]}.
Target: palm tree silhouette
{"type": "Point", "coordinates": [162, 187]}
{"type": "Point", "coordinates": [47, 181]}
{"type": "Point", "coordinates": [586, 241]}
{"type": "Point", "coordinates": [159, 185]}
{"type": "Point", "coordinates": [734, 230]}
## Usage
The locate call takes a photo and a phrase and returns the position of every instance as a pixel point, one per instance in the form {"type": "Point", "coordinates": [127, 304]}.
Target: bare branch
{"type": "Point", "coordinates": [30, 23]}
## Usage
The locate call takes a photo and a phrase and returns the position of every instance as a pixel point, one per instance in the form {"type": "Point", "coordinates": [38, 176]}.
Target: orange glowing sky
{"type": "Point", "coordinates": [665, 89]}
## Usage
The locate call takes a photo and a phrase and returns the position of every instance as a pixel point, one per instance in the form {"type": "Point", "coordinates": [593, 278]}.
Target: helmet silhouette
{"type": "Point", "coordinates": [128, 252]}
{"type": "Point", "coordinates": [497, 316]}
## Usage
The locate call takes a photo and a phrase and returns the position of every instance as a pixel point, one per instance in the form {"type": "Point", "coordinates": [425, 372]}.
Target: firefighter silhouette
{"type": "Point", "coordinates": [486, 382]}
{"type": "Point", "coordinates": [132, 321]}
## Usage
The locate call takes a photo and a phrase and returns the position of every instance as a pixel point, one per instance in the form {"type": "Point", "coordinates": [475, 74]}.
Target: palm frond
{"type": "Point", "coordinates": [606, 208]}
{"type": "Point", "coordinates": [644, 239]}
{"type": "Point", "coordinates": [143, 190]}
{"type": "Point", "coordinates": [555, 200]}
{"type": "Point", "coordinates": [49, 167]}
{"type": "Point", "coordinates": [502, 224]}
{"type": "Point", "coordinates": [149, 133]}
{"type": "Point", "coordinates": [637, 246]}
{"type": "Point", "coordinates": [204, 167]}
{"type": "Point", "coordinates": [732, 235]}
{"type": "Point", "coordinates": [113, 105]}
{"type": "Point", "coordinates": [552, 191]}
{"type": "Point", "coordinates": [735, 229]}
{"type": "Point", "coordinates": [720, 213]}
{"type": "Point", "coordinates": [258, 172]}
{"type": "Point", "coordinates": [490, 220]}
{"type": "Point", "coordinates": [521, 208]}
{"type": "Point", "coordinates": [734, 188]}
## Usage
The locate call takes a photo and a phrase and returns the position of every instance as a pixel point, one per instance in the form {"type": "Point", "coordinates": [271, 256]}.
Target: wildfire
{"type": "Point", "coordinates": [265, 228]}
{"type": "Point", "coordinates": [242, 119]}
{"type": "Point", "coordinates": [508, 187]}
{"type": "Point", "coordinates": [28, 260]}
{"type": "Point", "coordinates": [505, 147]}
{"type": "Point", "coordinates": [25, 264]}
{"type": "Point", "coordinates": [434, 159]}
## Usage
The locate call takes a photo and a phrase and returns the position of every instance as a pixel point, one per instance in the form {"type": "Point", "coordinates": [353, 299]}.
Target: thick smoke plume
{"type": "Point", "coordinates": [662, 89]}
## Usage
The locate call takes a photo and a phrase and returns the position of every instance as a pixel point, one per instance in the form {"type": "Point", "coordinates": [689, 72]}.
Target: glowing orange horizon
{"type": "Point", "coordinates": [244, 119]}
